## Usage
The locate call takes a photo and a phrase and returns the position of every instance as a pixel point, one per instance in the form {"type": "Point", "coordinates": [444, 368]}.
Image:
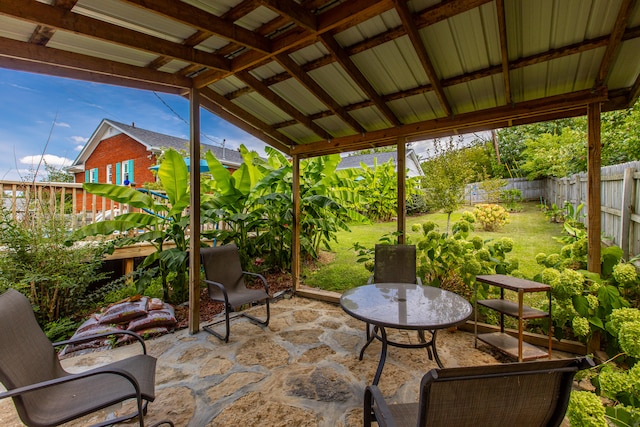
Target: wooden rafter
{"type": "Point", "coordinates": [249, 121]}
{"type": "Point", "coordinates": [32, 57]}
{"type": "Point", "coordinates": [313, 87]}
{"type": "Point", "coordinates": [206, 22]}
{"type": "Point", "coordinates": [615, 40]}
{"type": "Point", "coordinates": [34, 11]}
{"type": "Point", "coordinates": [504, 52]}
{"type": "Point", "coordinates": [281, 103]}
{"type": "Point", "coordinates": [294, 11]}
{"type": "Point", "coordinates": [347, 64]}
{"type": "Point", "coordinates": [414, 35]}
{"type": "Point", "coordinates": [42, 34]}
{"type": "Point", "coordinates": [462, 123]}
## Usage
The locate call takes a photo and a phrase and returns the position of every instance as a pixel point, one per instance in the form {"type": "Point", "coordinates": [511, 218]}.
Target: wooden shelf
{"type": "Point", "coordinates": [513, 346]}
{"type": "Point", "coordinates": [510, 308]}
{"type": "Point", "coordinates": [509, 346]}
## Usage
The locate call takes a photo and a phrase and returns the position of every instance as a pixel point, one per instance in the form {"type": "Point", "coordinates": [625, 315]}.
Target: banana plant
{"type": "Point", "coordinates": [159, 222]}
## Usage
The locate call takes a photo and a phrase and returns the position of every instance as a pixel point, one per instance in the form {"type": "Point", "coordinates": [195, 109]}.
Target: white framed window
{"type": "Point", "coordinates": [109, 174]}
{"type": "Point", "coordinates": [125, 172]}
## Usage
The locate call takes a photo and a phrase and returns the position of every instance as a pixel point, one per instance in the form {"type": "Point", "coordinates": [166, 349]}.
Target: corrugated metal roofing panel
{"type": "Point", "coordinates": [300, 97]}
{"type": "Point", "coordinates": [97, 48]}
{"type": "Point", "coordinates": [487, 92]}
{"type": "Point", "coordinates": [338, 84]}
{"type": "Point", "coordinates": [335, 126]}
{"type": "Point", "coordinates": [299, 133]}
{"type": "Point", "coordinates": [309, 53]}
{"type": "Point", "coordinates": [15, 29]}
{"type": "Point", "coordinates": [629, 55]}
{"type": "Point", "coordinates": [371, 118]}
{"type": "Point", "coordinates": [442, 50]}
{"type": "Point", "coordinates": [261, 108]}
{"type": "Point", "coordinates": [173, 66]}
{"type": "Point", "coordinates": [634, 20]}
{"type": "Point", "coordinates": [412, 109]}
{"type": "Point", "coordinates": [369, 28]}
{"type": "Point", "coordinates": [218, 7]}
{"type": "Point", "coordinates": [391, 67]}
{"type": "Point", "coordinates": [212, 44]}
{"type": "Point", "coordinates": [134, 18]}
{"type": "Point", "coordinates": [229, 84]}
{"type": "Point", "coordinates": [256, 18]}
{"type": "Point", "coordinates": [268, 70]}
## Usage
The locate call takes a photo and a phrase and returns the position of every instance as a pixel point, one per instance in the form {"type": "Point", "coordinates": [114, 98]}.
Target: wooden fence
{"type": "Point", "coordinates": [620, 200]}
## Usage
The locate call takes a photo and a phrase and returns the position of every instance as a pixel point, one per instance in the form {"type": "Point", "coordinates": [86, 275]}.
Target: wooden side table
{"type": "Point", "coordinates": [508, 344]}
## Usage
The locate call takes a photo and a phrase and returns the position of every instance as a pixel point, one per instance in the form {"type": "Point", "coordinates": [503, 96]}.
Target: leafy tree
{"type": "Point", "coordinates": [446, 176]}
{"type": "Point", "coordinates": [555, 155]}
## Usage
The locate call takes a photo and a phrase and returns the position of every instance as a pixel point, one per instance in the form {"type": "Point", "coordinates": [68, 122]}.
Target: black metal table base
{"type": "Point", "coordinates": [380, 333]}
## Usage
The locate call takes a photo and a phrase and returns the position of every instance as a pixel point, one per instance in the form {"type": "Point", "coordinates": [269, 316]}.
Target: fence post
{"type": "Point", "coordinates": [625, 208]}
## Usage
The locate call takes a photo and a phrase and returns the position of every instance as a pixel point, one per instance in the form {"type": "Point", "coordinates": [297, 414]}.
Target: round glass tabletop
{"type": "Point", "coordinates": [406, 306]}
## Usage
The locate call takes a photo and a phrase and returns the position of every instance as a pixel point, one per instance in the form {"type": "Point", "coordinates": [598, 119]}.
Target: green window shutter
{"type": "Point", "coordinates": [118, 173]}
{"type": "Point", "coordinates": [86, 176]}
{"type": "Point", "coordinates": [131, 178]}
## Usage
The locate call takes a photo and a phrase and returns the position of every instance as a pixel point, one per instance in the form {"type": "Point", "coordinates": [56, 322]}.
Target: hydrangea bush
{"type": "Point", "coordinates": [584, 303]}
{"type": "Point", "coordinates": [490, 216]}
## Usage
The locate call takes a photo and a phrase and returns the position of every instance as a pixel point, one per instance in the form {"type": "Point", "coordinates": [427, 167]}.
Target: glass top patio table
{"type": "Point", "coordinates": [404, 306]}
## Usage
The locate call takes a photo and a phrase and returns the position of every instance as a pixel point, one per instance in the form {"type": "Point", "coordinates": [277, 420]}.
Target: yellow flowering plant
{"type": "Point", "coordinates": [490, 216]}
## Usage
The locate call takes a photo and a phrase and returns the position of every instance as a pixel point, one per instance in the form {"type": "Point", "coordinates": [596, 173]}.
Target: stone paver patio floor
{"type": "Point", "coordinates": [302, 370]}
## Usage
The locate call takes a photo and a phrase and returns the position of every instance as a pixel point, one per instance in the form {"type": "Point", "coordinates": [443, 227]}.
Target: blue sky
{"type": "Point", "coordinates": [50, 116]}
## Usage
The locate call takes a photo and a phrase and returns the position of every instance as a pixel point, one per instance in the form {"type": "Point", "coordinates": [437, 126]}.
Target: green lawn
{"type": "Point", "coordinates": [529, 229]}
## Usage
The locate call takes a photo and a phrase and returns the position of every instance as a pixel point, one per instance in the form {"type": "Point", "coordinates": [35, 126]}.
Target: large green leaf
{"type": "Point", "coordinates": [174, 176]}
{"type": "Point", "coordinates": [220, 174]}
{"type": "Point", "coordinates": [120, 194]}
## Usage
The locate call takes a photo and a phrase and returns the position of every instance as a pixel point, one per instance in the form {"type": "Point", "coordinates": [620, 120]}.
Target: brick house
{"type": "Point", "coordinates": [122, 154]}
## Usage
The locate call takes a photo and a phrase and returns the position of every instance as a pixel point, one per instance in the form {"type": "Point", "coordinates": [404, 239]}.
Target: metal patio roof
{"type": "Point", "coordinates": [312, 77]}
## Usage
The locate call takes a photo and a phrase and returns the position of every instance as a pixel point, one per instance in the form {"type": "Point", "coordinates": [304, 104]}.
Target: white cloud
{"type": "Point", "coordinates": [63, 124]}
{"type": "Point", "coordinates": [49, 159]}
{"type": "Point", "coordinates": [79, 139]}
{"type": "Point", "coordinates": [79, 147]}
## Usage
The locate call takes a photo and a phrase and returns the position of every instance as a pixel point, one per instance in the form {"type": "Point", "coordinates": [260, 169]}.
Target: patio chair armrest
{"type": "Point", "coordinates": [259, 276]}
{"type": "Point", "coordinates": [370, 280]}
{"type": "Point", "coordinates": [89, 338]}
{"type": "Point", "coordinates": [419, 281]}
{"type": "Point", "coordinates": [74, 377]}
{"type": "Point", "coordinates": [380, 411]}
{"type": "Point", "coordinates": [220, 286]}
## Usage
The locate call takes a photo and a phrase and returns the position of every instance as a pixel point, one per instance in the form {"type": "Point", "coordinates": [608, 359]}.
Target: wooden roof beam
{"type": "Point", "coordinates": [204, 21]}
{"type": "Point", "coordinates": [502, 28]}
{"type": "Point", "coordinates": [414, 35]}
{"type": "Point", "coordinates": [461, 123]}
{"type": "Point", "coordinates": [74, 65]}
{"type": "Point", "coordinates": [42, 34]}
{"type": "Point", "coordinates": [615, 39]}
{"type": "Point", "coordinates": [281, 103]}
{"type": "Point", "coordinates": [347, 64]}
{"type": "Point", "coordinates": [296, 72]}
{"type": "Point", "coordinates": [352, 12]}
{"type": "Point", "coordinates": [293, 11]}
{"type": "Point", "coordinates": [41, 13]}
{"type": "Point", "coordinates": [249, 123]}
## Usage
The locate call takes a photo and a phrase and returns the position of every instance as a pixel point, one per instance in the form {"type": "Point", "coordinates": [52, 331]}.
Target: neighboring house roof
{"type": "Point", "coordinates": [413, 164]}
{"type": "Point", "coordinates": [153, 141]}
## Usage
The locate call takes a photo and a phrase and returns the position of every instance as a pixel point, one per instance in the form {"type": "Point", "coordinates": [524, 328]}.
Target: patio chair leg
{"type": "Point", "coordinates": [259, 321]}
{"type": "Point", "coordinates": [210, 329]}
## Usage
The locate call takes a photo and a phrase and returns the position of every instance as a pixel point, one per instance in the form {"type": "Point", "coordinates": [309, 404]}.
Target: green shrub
{"type": "Point", "coordinates": [491, 216]}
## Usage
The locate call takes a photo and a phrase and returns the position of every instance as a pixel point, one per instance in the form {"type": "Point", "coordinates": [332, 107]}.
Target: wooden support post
{"type": "Point", "coordinates": [194, 212]}
{"type": "Point", "coordinates": [295, 227]}
{"type": "Point", "coordinates": [625, 209]}
{"type": "Point", "coordinates": [402, 198]}
{"type": "Point", "coordinates": [593, 187]}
